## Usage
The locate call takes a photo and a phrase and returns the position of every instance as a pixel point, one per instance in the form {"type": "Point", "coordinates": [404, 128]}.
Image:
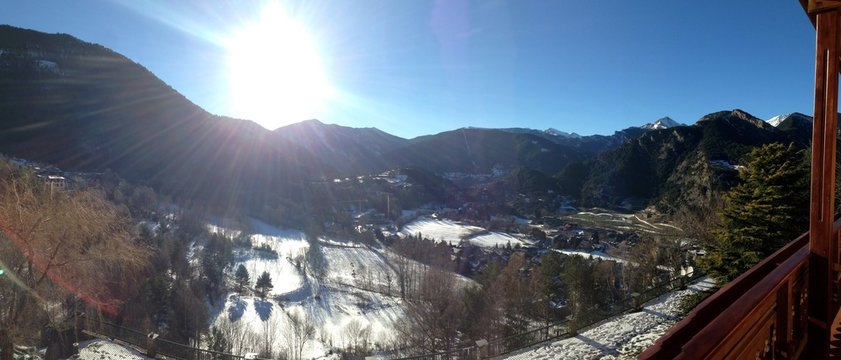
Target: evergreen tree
{"type": "Point", "coordinates": [768, 208]}
{"type": "Point", "coordinates": [577, 274]}
{"type": "Point", "coordinates": [242, 278]}
{"type": "Point", "coordinates": [264, 284]}
{"type": "Point", "coordinates": [217, 255]}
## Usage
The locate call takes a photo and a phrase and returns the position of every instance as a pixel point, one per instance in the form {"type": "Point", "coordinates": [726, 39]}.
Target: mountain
{"type": "Point", "coordinates": [562, 134]}
{"type": "Point", "coordinates": [791, 121]}
{"type": "Point", "coordinates": [680, 165]}
{"type": "Point", "coordinates": [474, 150]}
{"type": "Point", "coordinates": [84, 107]}
{"type": "Point", "coordinates": [797, 126]}
{"type": "Point", "coordinates": [589, 145]}
{"type": "Point", "coordinates": [342, 150]}
{"type": "Point", "coordinates": [662, 123]}
{"type": "Point", "coordinates": [596, 144]}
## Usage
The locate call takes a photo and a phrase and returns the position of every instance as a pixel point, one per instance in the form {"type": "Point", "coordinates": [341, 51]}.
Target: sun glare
{"type": "Point", "coordinates": [276, 76]}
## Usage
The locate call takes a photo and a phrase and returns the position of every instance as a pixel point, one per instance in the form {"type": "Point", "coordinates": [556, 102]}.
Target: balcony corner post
{"type": "Point", "coordinates": [823, 247]}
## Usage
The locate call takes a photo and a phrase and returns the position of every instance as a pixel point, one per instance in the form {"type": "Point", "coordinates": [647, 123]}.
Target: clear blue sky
{"type": "Point", "coordinates": [420, 67]}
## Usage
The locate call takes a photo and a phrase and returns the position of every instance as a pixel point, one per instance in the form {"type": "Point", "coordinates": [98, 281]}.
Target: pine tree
{"type": "Point", "coordinates": [768, 208]}
{"type": "Point", "coordinates": [264, 284]}
{"type": "Point", "coordinates": [242, 278]}
{"type": "Point", "coordinates": [577, 274]}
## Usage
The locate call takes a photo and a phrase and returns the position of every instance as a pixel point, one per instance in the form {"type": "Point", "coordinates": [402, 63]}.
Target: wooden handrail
{"type": "Point", "coordinates": [737, 318]}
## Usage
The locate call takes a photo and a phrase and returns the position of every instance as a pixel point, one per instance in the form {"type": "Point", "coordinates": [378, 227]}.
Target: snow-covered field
{"type": "Point", "coordinates": [452, 232]}
{"type": "Point", "coordinates": [593, 254]}
{"type": "Point", "coordinates": [356, 266]}
{"type": "Point", "coordinates": [622, 337]}
{"type": "Point", "coordinates": [492, 239]}
{"type": "Point", "coordinates": [103, 349]}
{"type": "Point", "coordinates": [288, 243]}
{"type": "Point", "coordinates": [444, 230]}
{"type": "Point", "coordinates": [336, 302]}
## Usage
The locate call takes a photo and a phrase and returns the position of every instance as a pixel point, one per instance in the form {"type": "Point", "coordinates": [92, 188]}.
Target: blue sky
{"type": "Point", "coordinates": [420, 67]}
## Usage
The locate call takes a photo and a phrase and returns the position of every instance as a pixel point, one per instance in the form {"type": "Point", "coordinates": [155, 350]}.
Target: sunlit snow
{"type": "Point", "coordinates": [622, 337]}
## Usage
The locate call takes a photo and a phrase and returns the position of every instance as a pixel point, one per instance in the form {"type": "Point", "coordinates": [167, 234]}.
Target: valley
{"type": "Point", "coordinates": [125, 203]}
{"type": "Point", "coordinates": [352, 297]}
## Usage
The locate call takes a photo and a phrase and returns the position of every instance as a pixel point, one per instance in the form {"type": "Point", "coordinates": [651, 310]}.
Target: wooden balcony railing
{"type": "Point", "coordinates": [762, 314]}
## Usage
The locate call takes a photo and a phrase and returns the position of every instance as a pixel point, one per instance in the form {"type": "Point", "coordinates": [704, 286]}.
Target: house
{"type": "Point", "coordinates": [55, 182]}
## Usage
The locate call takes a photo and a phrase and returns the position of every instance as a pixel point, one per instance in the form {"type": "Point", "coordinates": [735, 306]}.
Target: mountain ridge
{"type": "Point", "coordinates": [82, 106]}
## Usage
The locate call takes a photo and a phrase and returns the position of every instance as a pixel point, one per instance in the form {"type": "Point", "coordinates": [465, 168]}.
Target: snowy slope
{"type": "Point", "coordinates": [356, 266]}
{"type": "Point", "coordinates": [333, 313]}
{"type": "Point", "coordinates": [622, 337]}
{"type": "Point", "coordinates": [776, 120]}
{"type": "Point", "coordinates": [284, 268]}
{"type": "Point", "coordinates": [286, 277]}
{"type": "Point", "coordinates": [563, 134]}
{"type": "Point", "coordinates": [453, 232]}
{"type": "Point", "coordinates": [336, 302]}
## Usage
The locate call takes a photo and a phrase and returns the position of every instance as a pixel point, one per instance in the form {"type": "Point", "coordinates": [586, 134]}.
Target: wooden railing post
{"type": "Point", "coordinates": [823, 247]}
{"type": "Point", "coordinates": [785, 319]}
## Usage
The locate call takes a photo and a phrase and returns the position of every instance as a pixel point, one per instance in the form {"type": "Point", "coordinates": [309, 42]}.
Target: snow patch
{"type": "Point", "coordinates": [622, 337]}
{"type": "Point", "coordinates": [492, 239]}
{"type": "Point", "coordinates": [724, 164]}
{"type": "Point", "coordinates": [444, 230]}
{"type": "Point", "coordinates": [777, 120]}
{"type": "Point", "coordinates": [104, 349]}
{"type": "Point", "coordinates": [563, 134]}
{"type": "Point", "coordinates": [594, 255]}
{"type": "Point", "coordinates": [662, 123]}
{"type": "Point", "coordinates": [47, 66]}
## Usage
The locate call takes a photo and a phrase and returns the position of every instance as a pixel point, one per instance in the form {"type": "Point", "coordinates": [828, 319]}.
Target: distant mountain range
{"type": "Point", "coordinates": [685, 164]}
{"type": "Point", "coordinates": [82, 106]}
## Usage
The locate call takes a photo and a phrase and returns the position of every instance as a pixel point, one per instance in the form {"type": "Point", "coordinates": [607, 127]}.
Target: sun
{"type": "Point", "coordinates": [275, 72]}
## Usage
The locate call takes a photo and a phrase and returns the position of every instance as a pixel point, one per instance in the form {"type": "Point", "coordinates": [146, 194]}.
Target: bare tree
{"type": "Point", "coordinates": [432, 322]}
{"type": "Point", "coordinates": [356, 336]}
{"type": "Point", "coordinates": [698, 221]}
{"type": "Point", "coordinates": [55, 244]}
{"type": "Point", "coordinates": [238, 335]}
{"type": "Point", "coordinates": [269, 339]}
{"type": "Point", "coordinates": [301, 331]}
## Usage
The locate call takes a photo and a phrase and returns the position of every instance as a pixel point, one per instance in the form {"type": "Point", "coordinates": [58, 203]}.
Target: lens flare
{"type": "Point", "coordinates": [276, 74]}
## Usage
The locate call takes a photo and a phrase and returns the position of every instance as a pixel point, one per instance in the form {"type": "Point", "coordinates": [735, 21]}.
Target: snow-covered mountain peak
{"type": "Point", "coordinates": [563, 134]}
{"type": "Point", "coordinates": [661, 123]}
{"type": "Point", "coordinates": [776, 120]}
